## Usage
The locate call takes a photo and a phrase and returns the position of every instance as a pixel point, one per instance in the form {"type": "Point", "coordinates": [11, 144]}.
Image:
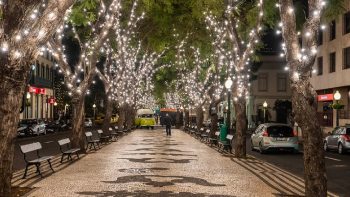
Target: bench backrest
{"type": "Point", "coordinates": [195, 127]}
{"type": "Point", "coordinates": [99, 131]}
{"type": "Point", "coordinates": [88, 134]}
{"type": "Point", "coordinates": [31, 147]}
{"type": "Point", "coordinates": [63, 141]}
{"type": "Point", "coordinates": [116, 127]}
{"type": "Point", "coordinates": [208, 131]}
{"type": "Point", "coordinates": [217, 133]}
{"type": "Point", "coordinates": [202, 129]}
{"type": "Point", "coordinates": [110, 128]}
{"type": "Point", "coordinates": [229, 137]}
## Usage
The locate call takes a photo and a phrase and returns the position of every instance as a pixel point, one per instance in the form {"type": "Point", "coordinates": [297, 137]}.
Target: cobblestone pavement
{"type": "Point", "coordinates": [149, 163]}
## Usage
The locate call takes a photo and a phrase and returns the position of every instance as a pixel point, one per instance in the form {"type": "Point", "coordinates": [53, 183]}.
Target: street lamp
{"type": "Point", "coordinates": [228, 85]}
{"type": "Point", "coordinates": [337, 97]}
{"type": "Point", "coordinates": [265, 106]}
{"type": "Point", "coordinates": [94, 106]}
{"type": "Point", "coordinates": [28, 97]}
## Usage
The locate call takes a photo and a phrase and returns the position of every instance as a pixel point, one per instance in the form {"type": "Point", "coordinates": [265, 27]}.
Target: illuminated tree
{"type": "Point", "coordinates": [24, 27]}
{"type": "Point", "coordinates": [237, 46]}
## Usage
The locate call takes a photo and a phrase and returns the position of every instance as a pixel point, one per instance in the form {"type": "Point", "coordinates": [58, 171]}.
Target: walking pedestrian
{"type": "Point", "coordinates": [167, 121]}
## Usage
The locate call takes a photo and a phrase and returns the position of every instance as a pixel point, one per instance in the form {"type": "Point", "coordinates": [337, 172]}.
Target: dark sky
{"type": "Point", "coordinates": [273, 41]}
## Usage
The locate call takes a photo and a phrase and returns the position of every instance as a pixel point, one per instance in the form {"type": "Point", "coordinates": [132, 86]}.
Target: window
{"type": "Point", "coordinates": [262, 82]}
{"type": "Point", "coordinates": [347, 23]}
{"type": "Point", "coordinates": [332, 62]}
{"type": "Point", "coordinates": [47, 72]}
{"type": "Point", "coordinates": [37, 68]}
{"type": "Point", "coordinates": [281, 82]}
{"type": "Point", "coordinates": [42, 71]}
{"type": "Point", "coordinates": [319, 66]}
{"type": "Point", "coordinates": [347, 58]}
{"type": "Point", "coordinates": [320, 37]}
{"type": "Point", "coordinates": [332, 31]}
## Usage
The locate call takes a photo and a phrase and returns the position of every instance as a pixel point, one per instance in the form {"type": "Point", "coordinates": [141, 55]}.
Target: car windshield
{"type": "Point", "coordinates": [280, 131]}
{"type": "Point", "coordinates": [146, 115]}
{"type": "Point", "coordinates": [29, 121]}
{"type": "Point", "coordinates": [102, 118]}
{"type": "Point", "coordinates": [87, 120]}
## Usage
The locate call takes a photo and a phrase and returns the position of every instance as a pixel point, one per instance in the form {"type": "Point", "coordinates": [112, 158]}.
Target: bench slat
{"type": "Point", "coordinates": [99, 131]}
{"type": "Point", "coordinates": [63, 141]}
{"type": "Point", "coordinates": [88, 134]}
{"type": "Point", "coordinates": [31, 147]}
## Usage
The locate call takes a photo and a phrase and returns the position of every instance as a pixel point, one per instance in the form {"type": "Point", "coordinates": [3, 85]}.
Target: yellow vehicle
{"type": "Point", "coordinates": [115, 118]}
{"type": "Point", "coordinates": [144, 118]}
{"type": "Point", "coordinates": [99, 120]}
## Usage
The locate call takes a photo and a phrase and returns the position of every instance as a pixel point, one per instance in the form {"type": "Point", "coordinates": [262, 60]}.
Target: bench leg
{"type": "Point", "coordinates": [98, 145]}
{"type": "Point", "coordinates": [38, 170]}
{"type": "Point", "coordinates": [94, 146]}
{"type": "Point", "coordinates": [25, 172]}
{"type": "Point", "coordinates": [62, 158]}
{"type": "Point", "coordinates": [77, 155]}
{"type": "Point", "coordinates": [48, 161]}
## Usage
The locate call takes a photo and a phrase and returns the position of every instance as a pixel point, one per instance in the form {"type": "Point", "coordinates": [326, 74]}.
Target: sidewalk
{"type": "Point", "coordinates": [148, 163]}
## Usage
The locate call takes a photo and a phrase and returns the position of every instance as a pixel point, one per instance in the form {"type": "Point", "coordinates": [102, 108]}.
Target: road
{"type": "Point", "coordinates": [337, 166]}
{"type": "Point", "coordinates": [49, 145]}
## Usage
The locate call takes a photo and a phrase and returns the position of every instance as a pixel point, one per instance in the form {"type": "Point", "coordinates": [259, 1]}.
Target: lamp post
{"type": "Point", "coordinates": [94, 106]}
{"type": "Point", "coordinates": [54, 110]}
{"type": "Point", "coordinates": [228, 85]}
{"type": "Point", "coordinates": [337, 97]}
{"type": "Point", "coordinates": [265, 106]}
{"type": "Point", "coordinates": [28, 97]}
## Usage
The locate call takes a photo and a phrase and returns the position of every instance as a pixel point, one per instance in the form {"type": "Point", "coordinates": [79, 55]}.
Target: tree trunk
{"type": "Point", "coordinates": [133, 115]}
{"type": "Point", "coordinates": [199, 117]}
{"type": "Point", "coordinates": [178, 121]}
{"type": "Point", "coordinates": [10, 104]}
{"type": "Point", "coordinates": [78, 136]}
{"type": "Point", "coordinates": [304, 100]}
{"type": "Point", "coordinates": [128, 116]}
{"type": "Point", "coordinates": [241, 126]}
{"type": "Point", "coordinates": [187, 117]}
{"type": "Point", "coordinates": [214, 125]}
{"type": "Point", "coordinates": [108, 114]}
{"type": "Point", "coordinates": [121, 118]}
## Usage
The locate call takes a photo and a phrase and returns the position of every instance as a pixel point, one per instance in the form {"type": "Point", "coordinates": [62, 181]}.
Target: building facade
{"type": "Point", "coordinates": [272, 83]}
{"type": "Point", "coordinates": [39, 101]}
{"type": "Point", "coordinates": [331, 70]}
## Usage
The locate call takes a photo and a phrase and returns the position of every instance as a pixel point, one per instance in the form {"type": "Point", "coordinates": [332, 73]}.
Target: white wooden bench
{"type": "Point", "coordinates": [35, 146]}
{"type": "Point", "coordinates": [90, 141]}
{"type": "Point", "coordinates": [104, 139]}
{"type": "Point", "coordinates": [226, 145]}
{"type": "Point", "coordinates": [198, 134]}
{"type": "Point", "coordinates": [68, 150]}
{"type": "Point", "coordinates": [205, 135]}
{"type": "Point", "coordinates": [214, 140]}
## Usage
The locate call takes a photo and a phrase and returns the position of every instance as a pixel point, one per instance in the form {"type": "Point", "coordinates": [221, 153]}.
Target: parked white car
{"type": "Point", "coordinates": [207, 123]}
{"type": "Point", "coordinates": [35, 127]}
{"type": "Point", "coordinates": [88, 122]}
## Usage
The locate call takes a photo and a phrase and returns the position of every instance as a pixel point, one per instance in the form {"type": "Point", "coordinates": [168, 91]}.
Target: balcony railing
{"type": "Point", "coordinates": [344, 114]}
{"type": "Point", "coordinates": [41, 82]}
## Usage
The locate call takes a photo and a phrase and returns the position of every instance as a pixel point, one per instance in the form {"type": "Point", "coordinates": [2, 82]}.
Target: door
{"type": "Point", "coordinates": [260, 136]}
{"type": "Point", "coordinates": [332, 139]}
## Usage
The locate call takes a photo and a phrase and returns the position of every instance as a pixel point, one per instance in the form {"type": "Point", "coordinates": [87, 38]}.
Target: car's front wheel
{"type": "Point", "coordinates": [325, 146]}
{"type": "Point", "coordinates": [341, 149]}
{"type": "Point", "coordinates": [44, 131]}
{"type": "Point", "coordinates": [38, 132]}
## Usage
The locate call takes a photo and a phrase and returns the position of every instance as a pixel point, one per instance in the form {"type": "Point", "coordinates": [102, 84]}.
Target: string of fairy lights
{"type": "Point", "coordinates": [130, 78]}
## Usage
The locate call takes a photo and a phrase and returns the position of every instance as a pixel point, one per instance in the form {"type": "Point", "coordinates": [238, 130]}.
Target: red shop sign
{"type": "Point", "coordinates": [33, 89]}
{"type": "Point", "coordinates": [51, 100]}
{"type": "Point", "coordinates": [41, 90]}
{"type": "Point", "coordinates": [325, 97]}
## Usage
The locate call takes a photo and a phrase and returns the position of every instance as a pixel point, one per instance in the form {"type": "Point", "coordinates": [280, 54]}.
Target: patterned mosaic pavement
{"type": "Point", "coordinates": [148, 163]}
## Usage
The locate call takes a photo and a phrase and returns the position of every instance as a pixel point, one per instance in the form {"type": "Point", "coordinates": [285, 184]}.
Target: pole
{"type": "Point", "coordinates": [264, 115]}
{"type": "Point", "coordinates": [337, 118]}
{"type": "Point", "coordinates": [228, 121]}
{"type": "Point", "coordinates": [94, 113]}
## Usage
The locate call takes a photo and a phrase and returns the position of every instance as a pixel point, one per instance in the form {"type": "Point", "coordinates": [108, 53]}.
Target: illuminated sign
{"type": "Point", "coordinates": [325, 97]}
{"type": "Point", "coordinates": [33, 90]}
{"type": "Point", "coordinates": [41, 90]}
{"type": "Point", "coordinates": [51, 100]}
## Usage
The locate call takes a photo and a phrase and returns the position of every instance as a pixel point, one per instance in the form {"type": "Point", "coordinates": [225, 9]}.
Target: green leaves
{"type": "Point", "coordinates": [333, 11]}
{"type": "Point", "coordinates": [83, 12]}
